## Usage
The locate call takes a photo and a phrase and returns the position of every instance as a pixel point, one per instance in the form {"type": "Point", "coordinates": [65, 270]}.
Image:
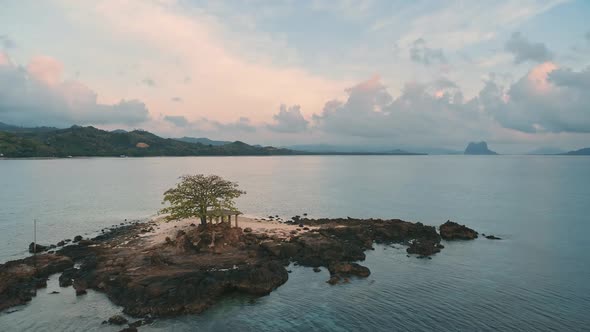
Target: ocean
{"type": "Point", "coordinates": [535, 279]}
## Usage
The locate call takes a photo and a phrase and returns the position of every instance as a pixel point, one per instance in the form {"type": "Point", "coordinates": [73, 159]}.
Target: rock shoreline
{"type": "Point", "coordinates": [192, 270]}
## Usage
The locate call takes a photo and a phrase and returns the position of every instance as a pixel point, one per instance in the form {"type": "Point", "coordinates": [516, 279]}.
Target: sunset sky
{"type": "Point", "coordinates": [400, 74]}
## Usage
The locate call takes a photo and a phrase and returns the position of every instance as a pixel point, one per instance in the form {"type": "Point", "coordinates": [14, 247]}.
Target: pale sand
{"type": "Point", "coordinates": [163, 229]}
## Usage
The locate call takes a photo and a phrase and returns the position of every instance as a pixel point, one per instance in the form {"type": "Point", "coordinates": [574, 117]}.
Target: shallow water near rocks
{"type": "Point", "coordinates": [533, 279]}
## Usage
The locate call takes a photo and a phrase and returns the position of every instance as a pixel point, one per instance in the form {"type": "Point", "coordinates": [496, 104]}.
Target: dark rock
{"type": "Point", "coordinates": [247, 230]}
{"type": "Point", "coordinates": [492, 237]}
{"type": "Point", "coordinates": [334, 280]}
{"type": "Point", "coordinates": [423, 248]}
{"type": "Point", "coordinates": [453, 231]}
{"type": "Point", "coordinates": [129, 329]}
{"type": "Point", "coordinates": [61, 243]}
{"type": "Point", "coordinates": [317, 269]}
{"type": "Point", "coordinates": [54, 292]}
{"type": "Point", "coordinates": [19, 279]}
{"type": "Point", "coordinates": [349, 269]}
{"type": "Point", "coordinates": [117, 320]}
{"type": "Point", "coordinates": [77, 238]}
{"type": "Point", "coordinates": [37, 248]}
{"type": "Point", "coordinates": [67, 276]}
{"type": "Point", "coordinates": [136, 324]}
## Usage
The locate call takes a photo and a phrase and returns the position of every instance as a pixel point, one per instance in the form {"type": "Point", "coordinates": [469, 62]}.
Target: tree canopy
{"type": "Point", "coordinates": [200, 196]}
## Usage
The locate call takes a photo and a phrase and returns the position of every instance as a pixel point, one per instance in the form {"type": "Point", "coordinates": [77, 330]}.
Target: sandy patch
{"type": "Point", "coordinates": [163, 228]}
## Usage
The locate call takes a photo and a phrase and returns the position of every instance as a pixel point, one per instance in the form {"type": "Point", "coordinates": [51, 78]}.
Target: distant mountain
{"type": "Point", "coordinates": [546, 151]}
{"type": "Point", "coordinates": [580, 152]}
{"type": "Point", "coordinates": [439, 151]}
{"type": "Point", "coordinates": [342, 149]}
{"type": "Point", "coordinates": [202, 140]}
{"type": "Point", "coordinates": [16, 129]}
{"type": "Point", "coordinates": [119, 131]}
{"type": "Point", "coordinates": [479, 148]}
{"type": "Point", "coordinates": [90, 141]}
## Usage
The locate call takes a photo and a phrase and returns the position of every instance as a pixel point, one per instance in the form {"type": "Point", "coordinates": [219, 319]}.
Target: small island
{"type": "Point", "coordinates": [202, 248]}
{"type": "Point", "coordinates": [478, 148]}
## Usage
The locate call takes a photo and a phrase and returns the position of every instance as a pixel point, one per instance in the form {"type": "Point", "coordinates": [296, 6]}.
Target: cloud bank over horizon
{"type": "Point", "coordinates": [230, 72]}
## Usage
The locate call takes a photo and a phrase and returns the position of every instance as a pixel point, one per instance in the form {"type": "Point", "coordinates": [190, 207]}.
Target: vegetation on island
{"type": "Point", "coordinates": [200, 196]}
{"type": "Point", "coordinates": [79, 141]}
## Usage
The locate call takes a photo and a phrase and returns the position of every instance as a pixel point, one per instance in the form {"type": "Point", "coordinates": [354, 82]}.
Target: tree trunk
{"type": "Point", "coordinates": [204, 220]}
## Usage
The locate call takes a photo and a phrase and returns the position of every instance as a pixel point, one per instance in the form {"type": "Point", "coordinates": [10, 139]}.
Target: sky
{"type": "Point", "coordinates": [367, 73]}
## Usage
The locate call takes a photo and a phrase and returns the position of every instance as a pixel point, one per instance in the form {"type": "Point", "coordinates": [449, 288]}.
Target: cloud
{"type": "Point", "coordinates": [177, 120]}
{"type": "Point", "coordinates": [149, 82]}
{"type": "Point", "coordinates": [547, 99]}
{"type": "Point", "coordinates": [457, 24]}
{"type": "Point", "coordinates": [524, 50]}
{"type": "Point", "coordinates": [243, 124]}
{"type": "Point", "coordinates": [37, 95]}
{"type": "Point", "coordinates": [422, 113]}
{"type": "Point", "coordinates": [421, 53]}
{"type": "Point", "coordinates": [227, 73]}
{"type": "Point", "coordinates": [6, 42]}
{"type": "Point", "coordinates": [289, 120]}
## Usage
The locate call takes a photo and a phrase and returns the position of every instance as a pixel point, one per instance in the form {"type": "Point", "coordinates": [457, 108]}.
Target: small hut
{"type": "Point", "coordinates": [223, 215]}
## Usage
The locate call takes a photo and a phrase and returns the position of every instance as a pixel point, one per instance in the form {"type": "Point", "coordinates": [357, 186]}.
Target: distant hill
{"type": "Point", "coordinates": [16, 129]}
{"type": "Point", "coordinates": [202, 140]}
{"type": "Point", "coordinates": [580, 152]}
{"type": "Point", "coordinates": [546, 151]}
{"type": "Point", "coordinates": [89, 141]}
{"type": "Point", "coordinates": [478, 148]}
{"type": "Point", "coordinates": [346, 150]}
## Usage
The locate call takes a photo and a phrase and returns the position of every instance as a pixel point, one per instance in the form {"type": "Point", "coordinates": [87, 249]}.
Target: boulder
{"type": "Point", "coordinates": [492, 237]}
{"type": "Point", "coordinates": [454, 231]}
{"type": "Point", "coordinates": [77, 238]}
{"type": "Point", "coordinates": [349, 269]}
{"type": "Point", "coordinates": [423, 248]}
{"type": "Point", "coordinates": [117, 320]}
{"type": "Point", "coordinates": [67, 276]}
{"type": "Point", "coordinates": [36, 248]}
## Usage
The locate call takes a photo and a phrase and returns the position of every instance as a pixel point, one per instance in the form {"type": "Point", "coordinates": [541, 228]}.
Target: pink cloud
{"type": "Point", "coordinates": [224, 83]}
{"type": "Point", "coordinates": [45, 69]}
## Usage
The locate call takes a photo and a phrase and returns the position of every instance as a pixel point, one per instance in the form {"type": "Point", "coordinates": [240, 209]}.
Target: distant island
{"type": "Point", "coordinates": [580, 152]}
{"type": "Point", "coordinates": [479, 148]}
{"type": "Point", "coordinates": [77, 141]}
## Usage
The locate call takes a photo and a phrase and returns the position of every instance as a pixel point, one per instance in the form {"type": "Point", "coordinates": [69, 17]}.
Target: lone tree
{"type": "Point", "coordinates": [200, 196]}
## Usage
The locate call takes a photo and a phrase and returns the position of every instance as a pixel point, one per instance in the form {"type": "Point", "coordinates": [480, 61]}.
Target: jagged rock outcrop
{"type": "Point", "coordinates": [453, 231]}
{"type": "Point", "coordinates": [20, 279]}
{"type": "Point", "coordinates": [190, 272]}
{"type": "Point", "coordinates": [478, 148]}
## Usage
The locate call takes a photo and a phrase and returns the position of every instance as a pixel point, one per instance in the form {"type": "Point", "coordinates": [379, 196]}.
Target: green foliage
{"type": "Point", "coordinates": [92, 142]}
{"type": "Point", "coordinates": [15, 146]}
{"type": "Point", "coordinates": [200, 196]}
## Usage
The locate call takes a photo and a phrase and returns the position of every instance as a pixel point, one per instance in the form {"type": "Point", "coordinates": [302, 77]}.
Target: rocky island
{"type": "Point", "coordinates": [160, 268]}
{"type": "Point", "coordinates": [190, 257]}
{"type": "Point", "coordinates": [478, 148]}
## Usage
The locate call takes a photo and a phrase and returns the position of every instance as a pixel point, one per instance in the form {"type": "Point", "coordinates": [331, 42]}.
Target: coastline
{"type": "Point", "coordinates": [158, 269]}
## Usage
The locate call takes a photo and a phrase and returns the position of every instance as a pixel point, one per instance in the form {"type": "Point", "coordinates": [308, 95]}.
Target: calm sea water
{"type": "Point", "coordinates": [537, 278]}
